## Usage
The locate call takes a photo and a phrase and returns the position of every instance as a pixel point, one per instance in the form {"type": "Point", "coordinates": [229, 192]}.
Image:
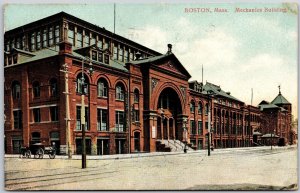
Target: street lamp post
{"type": "Point", "coordinates": [83, 117]}
{"type": "Point", "coordinates": [209, 94]}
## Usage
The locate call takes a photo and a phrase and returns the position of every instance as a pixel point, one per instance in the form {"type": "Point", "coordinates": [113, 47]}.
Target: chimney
{"type": "Point", "coordinates": [169, 49]}
{"type": "Point", "coordinates": [138, 55]}
{"type": "Point", "coordinates": [65, 47]}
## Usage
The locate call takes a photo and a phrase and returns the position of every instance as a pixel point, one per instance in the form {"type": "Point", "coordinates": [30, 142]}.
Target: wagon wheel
{"type": "Point", "coordinates": [52, 154]}
{"type": "Point", "coordinates": [28, 154]}
{"type": "Point", "coordinates": [39, 153]}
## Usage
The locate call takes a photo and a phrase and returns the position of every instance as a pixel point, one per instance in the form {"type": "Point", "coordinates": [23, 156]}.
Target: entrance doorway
{"type": "Point", "coordinates": [88, 145]}
{"type": "Point", "coordinates": [168, 109]}
{"type": "Point", "coordinates": [102, 146]}
{"type": "Point", "coordinates": [137, 141]}
{"type": "Point", "coordinates": [120, 146]}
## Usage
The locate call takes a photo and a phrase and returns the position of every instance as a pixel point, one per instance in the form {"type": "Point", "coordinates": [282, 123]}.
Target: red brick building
{"type": "Point", "coordinates": [136, 99]}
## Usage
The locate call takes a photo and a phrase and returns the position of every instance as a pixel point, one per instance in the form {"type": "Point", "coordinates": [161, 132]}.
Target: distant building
{"type": "Point", "coordinates": [276, 120]}
{"type": "Point", "coordinates": [136, 99]}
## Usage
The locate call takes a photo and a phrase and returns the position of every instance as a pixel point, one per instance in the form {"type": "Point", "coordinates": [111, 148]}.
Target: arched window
{"type": "Point", "coordinates": [16, 90]}
{"type": "Point", "coordinates": [82, 84]}
{"type": "Point", "coordinates": [102, 88]}
{"type": "Point", "coordinates": [136, 96]}
{"type": "Point", "coordinates": [206, 108]}
{"type": "Point", "coordinates": [120, 91]}
{"type": "Point", "coordinates": [192, 106]}
{"type": "Point", "coordinates": [200, 108]}
{"type": "Point", "coordinates": [36, 89]}
{"type": "Point", "coordinates": [53, 87]}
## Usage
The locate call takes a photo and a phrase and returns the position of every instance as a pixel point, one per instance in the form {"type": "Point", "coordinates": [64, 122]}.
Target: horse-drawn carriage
{"type": "Point", "coordinates": [38, 150]}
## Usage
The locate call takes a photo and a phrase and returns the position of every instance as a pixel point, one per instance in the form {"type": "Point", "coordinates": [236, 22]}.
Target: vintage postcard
{"type": "Point", "coordinates": [157, 96]}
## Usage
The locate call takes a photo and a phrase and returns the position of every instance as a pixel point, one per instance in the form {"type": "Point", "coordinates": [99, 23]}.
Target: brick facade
{"type": "Point", "coordinates": [134, 97]}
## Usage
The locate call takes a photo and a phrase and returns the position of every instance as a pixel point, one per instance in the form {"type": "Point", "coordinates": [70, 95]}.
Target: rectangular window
{"type": "Point", "coordinates": [206, 125]}
{"type": "Point", "coordinates": [136, 115]}
{"type": "Point", "coordinates": [23, 42]}
{"type": "Point", "coordinates": [94, 55]}
{"type": "Point", "coordinates": [17, 119]}
{"type": "Point", "coordinates": [192, 125]}
{"type": "Point", "coordinates": [126, 56]}
{"type": "Point", "coordinates": [71, 35]}
{"type": "Point", "coordinates": [12, 43]}
{"type": "Point", "coordinates": [79, 39]}
{"type": "Point", "coordinates": [200, 128]}
{"type": "Point", "coordinates": [56, 34]}
{"type": "Point", "coordinates": [121, 55]}
{"type": "Point", "coordinates": [115, 53]}
{"type": "Point", "coordinates": [120, 127]}
{"type": "Point", "coordinates": [36, 115]}
{"type": "Point", "coordinates": [50, 36]}
{"type": "Point", "coordinates": [100, 56]}
{"type": "Point", "coordinates": [78, 118]}
{"type": "Point", "coordinates": [131, 56]}
{"type": "Point", "coordinates": [192, 107]}
{"type": "Point", "coordinates": [102, 120]}
{"type": "Point", "coordinates": [199, 108]}
{"type": "Point", "coordinates": [18, 43]}
{"type": "Point", "coordinates": [106, 58]}
{"type": "Point", "coordinates": [44, 38]}
{"type": "Point", "coordinates": [86, 40]}
{"type": "Point", "coordinates": [100, 44]}
{"type": "Point", "coordinates": [38, 40]}
{"type": "Point", "coordinates": [106, 44]}
{"type": "Point", "coordinates": [32, 41]}
{"type": "Point", "coordinates": [54, 113]}
{"type": "Point", "coordinates": [93, 39]}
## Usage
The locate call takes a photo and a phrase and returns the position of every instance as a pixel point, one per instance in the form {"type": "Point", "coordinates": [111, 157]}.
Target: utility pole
{"type": "Point", "coordinates": [68, 140]}
{"type": "Point", "coordinates": [82, 118]}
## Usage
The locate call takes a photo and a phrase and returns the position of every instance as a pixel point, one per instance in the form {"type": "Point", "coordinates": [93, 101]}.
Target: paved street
{"type": "Point", "coordinates": [234, 169]}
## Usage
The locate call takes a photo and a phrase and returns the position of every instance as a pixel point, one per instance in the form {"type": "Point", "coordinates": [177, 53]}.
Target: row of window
{"type": "Point", "coordinates": [39, 39]}
{"type": "Point", "coordinates": [36, 89]}
{"type": "Point", "coordinates": [102, 89]}
{"type": "Point", "coordinates": [102, 120]}
{"type": "Point", "coordinates": [36, 112]}
{"type": "Point", "coordinates": [200, 127]}
{"type": "Point", "coordinates": [200, 108]}
{"type": "Point", "coordinates": [83, 38]}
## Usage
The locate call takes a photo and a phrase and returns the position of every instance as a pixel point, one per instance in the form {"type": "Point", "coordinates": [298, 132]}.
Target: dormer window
{"type": "Point", "coordinates": [100, 56]}
{"type": "Point", "coordinates": [94, 55]}
{"type": "Point", "coordinates": [106, 58]}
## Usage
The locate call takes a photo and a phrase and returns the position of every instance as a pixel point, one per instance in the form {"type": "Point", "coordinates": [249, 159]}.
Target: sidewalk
{"type": "Point", "coordinates": [140, 155]}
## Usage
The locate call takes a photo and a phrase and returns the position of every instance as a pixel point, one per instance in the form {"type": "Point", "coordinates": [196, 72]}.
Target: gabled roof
{"type": "Point", "coordinates": [218, 91]}
{"type": "Point", "coordinates": [263, 102]}
{"type": "Point", "coordinates": [280, 100]}
{"type": "Point", "coordinates": [268, 106]}
{"type": "Point", "coordinates": [156, 59]}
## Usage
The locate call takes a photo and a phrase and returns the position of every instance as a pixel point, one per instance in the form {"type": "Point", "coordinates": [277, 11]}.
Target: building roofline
{"type": "Point", "coordinates": [56, 17]}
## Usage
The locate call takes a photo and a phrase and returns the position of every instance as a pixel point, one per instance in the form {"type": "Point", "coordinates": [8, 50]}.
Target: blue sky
{"type": "Point", "coordinates": [239, 51]}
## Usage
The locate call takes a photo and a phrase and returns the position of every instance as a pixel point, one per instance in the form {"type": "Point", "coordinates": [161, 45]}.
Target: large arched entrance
{"type": "Point", "coordinates": [168, 111]}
